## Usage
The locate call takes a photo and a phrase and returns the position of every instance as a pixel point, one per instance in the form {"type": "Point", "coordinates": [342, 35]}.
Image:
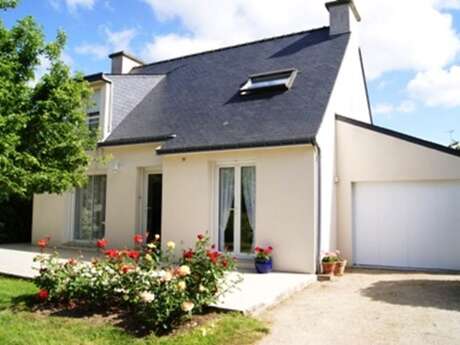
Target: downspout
{"type": "Point", "coordinates": [318, 225]}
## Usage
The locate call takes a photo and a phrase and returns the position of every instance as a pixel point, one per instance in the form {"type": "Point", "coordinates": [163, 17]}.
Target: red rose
{"type": "Point", "coordinates": [43, 295]}
{"type": "Point", "coordinates": [112, 253]}
{"type": "Point", "coordinates": [134, 254]}
{"type": "Point", "coordinates": [188, 254]}
{"type": "Point", "coordinates": [101, 244]}
{"type": "Point", "coordinates": [200, 237]}
{"type": "Point", "coordinates": [213, 256]}
{"type": "Point", "coordinates": [138, 239]}
{"type": "Point", "coordinates": [43, 243]}
{"type": "Point", "coordinates": [224, 263]}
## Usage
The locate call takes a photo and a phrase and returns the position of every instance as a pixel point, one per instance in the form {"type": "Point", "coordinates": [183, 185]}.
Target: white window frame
{"type": "Point", "coordinates": [237, 205]}
{"type": "Point", "coordinates": [72, 210]}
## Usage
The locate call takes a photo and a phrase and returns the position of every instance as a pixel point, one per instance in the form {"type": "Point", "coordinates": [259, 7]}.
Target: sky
{"type": "Point", "coordinates": [411, 48]}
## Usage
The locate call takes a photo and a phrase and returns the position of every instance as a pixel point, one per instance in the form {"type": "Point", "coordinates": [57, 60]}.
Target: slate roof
{"type": "Point", "coordinates": [197, 105]}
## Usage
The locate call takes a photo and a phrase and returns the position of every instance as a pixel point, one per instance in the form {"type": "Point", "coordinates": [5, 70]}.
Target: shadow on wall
{"type": "Point", "coordinates": [439, 294]}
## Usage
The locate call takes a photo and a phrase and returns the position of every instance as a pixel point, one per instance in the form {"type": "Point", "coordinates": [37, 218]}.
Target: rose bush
{"type": "Point", "coordinates": [159, 288]}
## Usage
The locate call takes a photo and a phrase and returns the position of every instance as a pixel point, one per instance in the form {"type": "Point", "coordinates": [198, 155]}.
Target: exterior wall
{"type": "Point", "coordinates": [53, 215]}
{"type": "Point", "coordinates": [285, 199]}
{"type": "Point", "coordinates": [368, 156]}
{"type": "Point", "coordinates": [348, 97]}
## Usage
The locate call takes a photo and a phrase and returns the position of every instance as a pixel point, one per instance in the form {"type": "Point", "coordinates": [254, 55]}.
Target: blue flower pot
{"type": "Point", "coordinates": [264, 266]}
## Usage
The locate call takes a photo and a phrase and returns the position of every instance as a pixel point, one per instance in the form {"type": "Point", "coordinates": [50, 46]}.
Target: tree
{"type": "Point", "coordinates": [455, 145]}
{"type": "Point", "coordinates": [44, 135]}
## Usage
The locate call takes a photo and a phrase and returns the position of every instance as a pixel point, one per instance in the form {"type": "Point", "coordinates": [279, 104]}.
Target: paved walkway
{"type": "Point", "coordinates": [253, 294]}
{"type": "Point", "coordinates": [370, 307]}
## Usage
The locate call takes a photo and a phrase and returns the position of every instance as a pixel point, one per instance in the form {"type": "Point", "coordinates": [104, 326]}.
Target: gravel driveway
{"type": "Point", "coordinates": [371, 307]}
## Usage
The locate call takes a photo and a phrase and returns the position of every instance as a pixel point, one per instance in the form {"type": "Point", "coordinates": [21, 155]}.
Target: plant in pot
{"type": "Point", "coordinates": [341, 264]}
{"type": "Point", "coordinates": [263, 260]}
{"type": "Point", "coordinates": [328, 263]}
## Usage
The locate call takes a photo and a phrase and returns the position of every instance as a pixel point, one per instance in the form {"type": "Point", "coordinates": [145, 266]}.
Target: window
{"type": "Point", "coordinates": [90, 209]}
{"type": "Point", "coordinates": [237, 207]}
{"type": "Point", "coordinates": [272, 81]}
{"type": "Point", "coordinates": [94, 110]}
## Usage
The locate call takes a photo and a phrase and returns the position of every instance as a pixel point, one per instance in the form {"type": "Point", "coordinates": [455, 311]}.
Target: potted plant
{"type": "Point", "coordinates": [263, 260]}
{"type": "Point", "coordinates": [328, 263]}
{"type": "Point", "coordinates": [341, 264]}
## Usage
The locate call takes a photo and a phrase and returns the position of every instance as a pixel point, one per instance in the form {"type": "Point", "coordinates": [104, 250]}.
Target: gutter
{"type": "Point", "coordinates": [318, 225]}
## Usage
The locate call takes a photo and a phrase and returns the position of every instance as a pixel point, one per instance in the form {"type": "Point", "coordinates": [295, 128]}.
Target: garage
{"type": "Point", "coordinates": [407, 224]}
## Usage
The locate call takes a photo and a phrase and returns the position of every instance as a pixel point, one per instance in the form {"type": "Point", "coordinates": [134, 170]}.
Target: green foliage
{"type": "Point", "coordinates": [455, 145]}
{"type": "Point", "coordinates": [43, 127]}
{"type": "Point", "coordinates": [29, 328]}
{"type": "Point", "coordinates": [160, 290]}
{"type": "Point", "coordinates": [6, 4]}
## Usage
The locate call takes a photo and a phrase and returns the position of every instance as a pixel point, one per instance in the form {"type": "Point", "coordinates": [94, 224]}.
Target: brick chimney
{"type": "Point", "coordinates": [123, 62]}
{"type": "Point", "coordinates": [343, 16]}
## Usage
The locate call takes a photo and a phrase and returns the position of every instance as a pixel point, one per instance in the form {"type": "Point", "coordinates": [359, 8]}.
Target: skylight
{"type": "Point", "coordinates": [271, 81]}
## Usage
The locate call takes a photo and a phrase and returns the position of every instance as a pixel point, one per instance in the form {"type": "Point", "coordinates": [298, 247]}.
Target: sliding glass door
{"type": "Point", "coordinates": [90, 209]}
{"type": "Point", "coordinates": [237, 207]}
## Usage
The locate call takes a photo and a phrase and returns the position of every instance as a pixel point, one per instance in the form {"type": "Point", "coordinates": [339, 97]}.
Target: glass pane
{"type": "Point", "coordinates": [95, 102]}
{"type": "Point", "coordinates": [98, 222]}
{"type": "Point", "coordinates": [90, 210]}
{"type": "Point", "coordinates": [248, 209]}
{"type": "Point", "coordinates": [226, 208]}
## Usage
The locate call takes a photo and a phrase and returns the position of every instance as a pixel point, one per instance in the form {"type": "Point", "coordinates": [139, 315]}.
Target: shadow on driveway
{"type": "Point", "coordinates": [440, 294]}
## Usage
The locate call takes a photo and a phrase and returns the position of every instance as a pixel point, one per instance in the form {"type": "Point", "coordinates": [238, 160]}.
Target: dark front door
{"type": "Point", "coordinates": [154, 193]}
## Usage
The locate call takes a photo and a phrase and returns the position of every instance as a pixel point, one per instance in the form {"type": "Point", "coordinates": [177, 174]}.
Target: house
{"type": "Point", "coordinates": [265, 143]}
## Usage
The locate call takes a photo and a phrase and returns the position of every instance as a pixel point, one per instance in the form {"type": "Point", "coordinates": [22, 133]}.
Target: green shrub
{"type": "Point", "coordinates": [156, 287]}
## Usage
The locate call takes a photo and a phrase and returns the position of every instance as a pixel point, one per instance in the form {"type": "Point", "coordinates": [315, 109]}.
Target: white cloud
{"type": "Point", "coordinates": [73, 5]}
{"type": "Point", "coordinates": [396, 35]}
{"type": "Point", "coordinates": [406, 106]}
{"type": "Point", "coordinates": [437, 87]}
{"type": "Point", "coordinates": [120, 40]}
{"type": "Point", "coordinates": [114, 41]}
{"type": "Point", "coordinates": [97, 51]}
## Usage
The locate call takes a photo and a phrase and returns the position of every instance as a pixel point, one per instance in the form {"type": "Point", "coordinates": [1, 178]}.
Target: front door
{"type": "Point", "coordinates": [154, 200]}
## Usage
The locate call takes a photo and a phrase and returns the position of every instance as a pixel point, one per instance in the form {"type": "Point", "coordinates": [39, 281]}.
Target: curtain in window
{"type": "Point", "coordinates": [226, 195]}
{"type": "Point", "coordinates": [90, 209]}
{"type": "Point", "coordinates": [248, 183]}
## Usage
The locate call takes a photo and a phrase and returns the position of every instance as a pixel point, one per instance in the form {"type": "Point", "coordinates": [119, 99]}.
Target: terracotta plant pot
{"type": "Point", "coordinates": [340, 267]}
{"type": "Point", "coordinates": [328, 267]}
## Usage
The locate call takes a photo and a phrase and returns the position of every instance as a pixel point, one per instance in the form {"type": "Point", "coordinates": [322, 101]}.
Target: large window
{"type": "Point", "coordinates": [94, 110]}
{"type": "Point", "coordinates": [237, 207]}
{"type": "Point", "coordinates": [90, 209]}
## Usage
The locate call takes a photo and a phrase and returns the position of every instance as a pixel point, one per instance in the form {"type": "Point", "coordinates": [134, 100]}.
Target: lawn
{"type": "Point", "coordinates": [18, 326]}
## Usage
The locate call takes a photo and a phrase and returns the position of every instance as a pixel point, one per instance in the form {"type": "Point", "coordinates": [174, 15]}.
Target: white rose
{"type": "Point", "coordinates": [187, 306]}
{"type": "Point", "coordinates": [147, 297]}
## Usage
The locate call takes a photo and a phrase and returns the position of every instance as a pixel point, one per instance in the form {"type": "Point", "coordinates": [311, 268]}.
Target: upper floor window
{"type": "Point", "coordinates": [271, 81]}
{"type": "Point", "coordinates": [94, 110]}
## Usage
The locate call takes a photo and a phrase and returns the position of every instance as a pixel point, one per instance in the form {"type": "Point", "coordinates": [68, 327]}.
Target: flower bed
{"type": "Point", "coordinates": [157, 288]}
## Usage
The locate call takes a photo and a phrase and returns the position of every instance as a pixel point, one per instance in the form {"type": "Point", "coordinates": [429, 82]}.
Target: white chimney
{"type": "Point", "coordinates": [343, 16]}
{"type": "Point", "coordinates": [123, 62]}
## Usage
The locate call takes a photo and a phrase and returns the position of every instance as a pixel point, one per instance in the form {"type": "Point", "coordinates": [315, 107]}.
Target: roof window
{"type": "Point", "coordinates": [271, 81]}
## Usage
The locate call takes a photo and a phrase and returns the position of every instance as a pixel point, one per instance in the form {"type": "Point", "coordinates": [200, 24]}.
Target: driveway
{"type": "Point", "coordinates": [370, 307]}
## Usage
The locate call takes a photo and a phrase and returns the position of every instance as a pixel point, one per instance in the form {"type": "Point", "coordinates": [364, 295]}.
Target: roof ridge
{"type": "Point", "coordinates": [231, 47]}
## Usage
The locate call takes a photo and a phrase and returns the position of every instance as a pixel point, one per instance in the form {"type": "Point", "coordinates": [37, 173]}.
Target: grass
{"type": "Point", "coordinates": [19, 326]}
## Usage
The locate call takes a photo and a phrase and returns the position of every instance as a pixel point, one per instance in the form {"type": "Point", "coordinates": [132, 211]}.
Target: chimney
{"type": "Point", "coordinates": [123, 62]}
{"type": "Point", "coordinates": [343, 16]}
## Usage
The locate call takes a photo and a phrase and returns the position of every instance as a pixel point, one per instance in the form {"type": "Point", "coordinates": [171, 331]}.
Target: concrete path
{"type": "Point", "coordinates": [371, 307]}
{"type": "Point", "coordinates": [253, 294]}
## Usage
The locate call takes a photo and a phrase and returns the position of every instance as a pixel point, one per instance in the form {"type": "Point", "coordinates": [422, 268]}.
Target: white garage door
{"type": "Point", "coordinates": [407, 224]}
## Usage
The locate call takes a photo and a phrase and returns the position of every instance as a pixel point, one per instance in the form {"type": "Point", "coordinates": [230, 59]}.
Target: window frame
{"type": "Point", "coordinates": [237, 165]}
{"type": "Point", "coordinates": [92, 113]}
{"type": "Point", "coordinates": [74, 206]}
{"type": "Point", "coordinates": [250, 87]}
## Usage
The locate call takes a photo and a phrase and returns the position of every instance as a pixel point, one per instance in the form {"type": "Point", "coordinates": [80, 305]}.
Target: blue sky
{"type": "Point", "coordinates": [412, 57]}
